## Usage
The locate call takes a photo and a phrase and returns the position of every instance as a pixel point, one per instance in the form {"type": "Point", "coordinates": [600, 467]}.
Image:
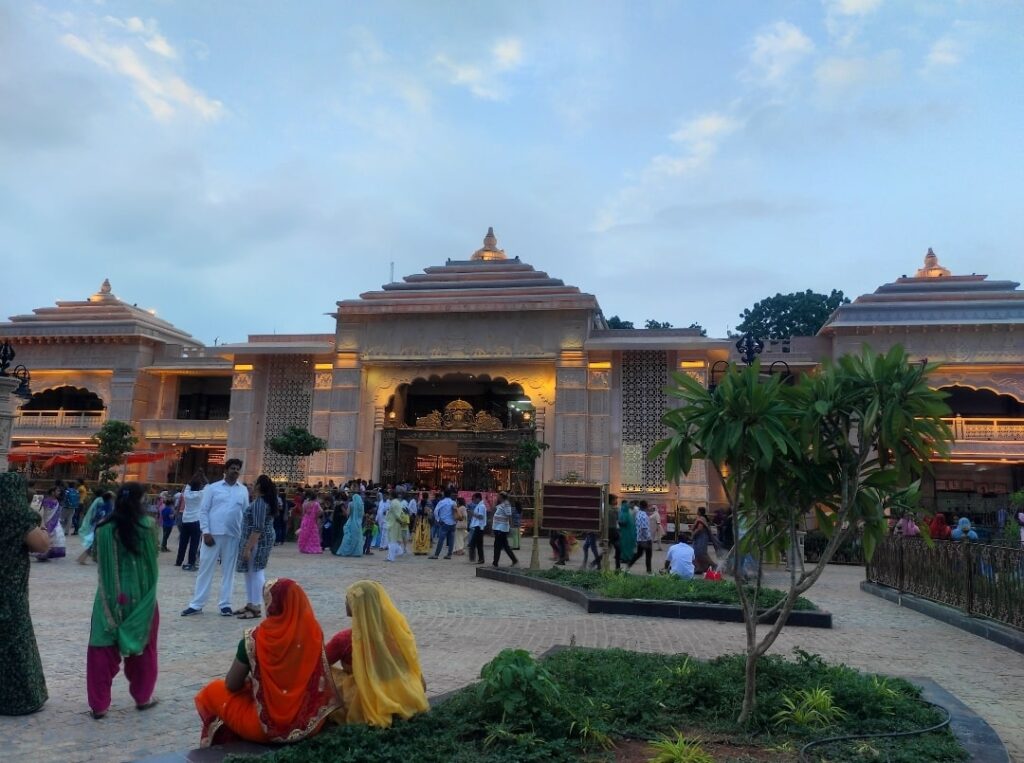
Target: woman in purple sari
{"type": "Point", "coordinates": [51, 524]}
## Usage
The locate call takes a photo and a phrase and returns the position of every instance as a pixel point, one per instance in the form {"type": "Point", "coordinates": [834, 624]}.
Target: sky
{"type": "Point", "coordinates": [241, 167]}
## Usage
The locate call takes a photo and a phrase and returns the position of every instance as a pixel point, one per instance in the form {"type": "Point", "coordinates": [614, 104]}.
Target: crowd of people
{"type": "Point", "coordinates": [285, 681]}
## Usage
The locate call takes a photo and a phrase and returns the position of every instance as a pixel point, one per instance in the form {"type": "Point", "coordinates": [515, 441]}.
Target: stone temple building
{"type": "Point", "coordinates": [441, 376]}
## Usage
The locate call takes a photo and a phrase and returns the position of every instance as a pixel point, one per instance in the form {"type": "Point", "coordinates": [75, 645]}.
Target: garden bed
{"type": "Point", "coordinates": [604, 705]}
{"type": "Point", "coordinates": [656, 596]}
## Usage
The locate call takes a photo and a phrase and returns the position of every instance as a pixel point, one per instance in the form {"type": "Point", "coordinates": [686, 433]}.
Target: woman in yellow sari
{"type": "Point", "coordinates": [380, 674]}
{"type": "Point", "coordinates": [279, 687]}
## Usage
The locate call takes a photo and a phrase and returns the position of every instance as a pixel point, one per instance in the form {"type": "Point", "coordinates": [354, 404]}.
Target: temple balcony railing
{"type": "Point", "coordinates": [58, 423]}
{"type": "Point", "coordinates": [184, 431]}
{"type": "Point", "coordinates": [987, 437]}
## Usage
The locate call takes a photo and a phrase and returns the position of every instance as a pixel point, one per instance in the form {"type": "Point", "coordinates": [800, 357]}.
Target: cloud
{"type": "Point", "coordinates": [838, 75]}
{"type": "Point", "coordinates": [777, 49]}
{"type": "Point", "coordinates": [145, 58]}
{"type": "Point", "coordinates": [945, 53]}
{"type": "Point", "coordinates": [697, 139]}
{"type": "Point", "coordinates": [483, 79]}
{"type": "Point", "coordinates": [845, 19]}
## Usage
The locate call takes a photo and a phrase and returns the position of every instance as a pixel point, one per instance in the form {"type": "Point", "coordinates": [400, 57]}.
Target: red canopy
{"type": "Point", "coordinates": [54, 456]}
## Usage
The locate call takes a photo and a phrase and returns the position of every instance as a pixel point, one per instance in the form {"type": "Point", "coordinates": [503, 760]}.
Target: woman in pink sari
{"type": "Point", "coordinates": [309, 532]}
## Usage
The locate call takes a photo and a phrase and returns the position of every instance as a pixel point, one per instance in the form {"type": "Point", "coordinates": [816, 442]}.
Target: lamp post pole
{"type": "Point", "coordinates": [11, 386]}
{"type": "Point", "coordinates": [538, 509]}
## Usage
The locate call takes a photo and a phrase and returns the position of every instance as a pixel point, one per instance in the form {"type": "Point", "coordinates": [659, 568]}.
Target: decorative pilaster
{"type": "Point", "coordinates": [8, 406]}
{"type": "Point", "coordinates": [571, 416]}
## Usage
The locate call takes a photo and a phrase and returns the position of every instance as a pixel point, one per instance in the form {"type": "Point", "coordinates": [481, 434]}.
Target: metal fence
{"type": "Point", "coordinates": [980, 579]}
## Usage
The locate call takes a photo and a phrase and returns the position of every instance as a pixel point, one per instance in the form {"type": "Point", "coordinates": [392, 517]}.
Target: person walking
{"type": "Point", "coordinates": [395, 522]}
{"type": "Point", "coordinates": [72, 508]}
{"type": "Point", "coordinates": [383, 504]}
{"type": "Point", "coordinates": [461, 525]}
{"type": "Point", "coordinates": [89, 522]}
{"type": "Point", "coordinates": [51, 512]}
{"type": "Point", "coordinates": [517, 523]}
{"type": "Point", "coordinates": [643, 538]}
{"type": "Point", "coordinates": [309, 531]}
{"type": "Point", "coordinates": [125, 616]}
{"type": "Point", "coordinates": [477, 528]}
{"type": "Point", "coordinates": [444, 519]}
{"type": "Point", "coordinates": [627, 535]}
{"type": "Point", "coordinates": [22, 684]}
{"type": "Point", "coordinates": [189, 532]}
{"type": "Point", "coordinates": [352, 541]}
{"type": "Point", "coordinates": [167, 520]}
{"type": "Point", "coordinates": [220, 521]}
{"type": "Point", "coordinates": [657, 526]}
{"type": "Point", "coordinates": [281, 518]}
{"type": "Point", "coordinates": [258, 539]}
{"type": "Point", "coordinates": [502, 526]}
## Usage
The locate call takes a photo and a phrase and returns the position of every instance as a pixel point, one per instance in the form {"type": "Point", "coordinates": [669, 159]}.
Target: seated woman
{"type": "Point", "coordinates": [963, 530]}
{"type": "Point", "coordinates": [380, 674]}
{"type": "Point", "coordinates": [279, 687]}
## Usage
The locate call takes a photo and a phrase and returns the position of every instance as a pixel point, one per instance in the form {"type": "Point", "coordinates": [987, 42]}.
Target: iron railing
{"type": "Point", "coordinates": [980, 579]}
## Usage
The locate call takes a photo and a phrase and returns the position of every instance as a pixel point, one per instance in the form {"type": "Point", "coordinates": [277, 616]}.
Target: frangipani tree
{"type": "Point", "coordinates": [846, 443]}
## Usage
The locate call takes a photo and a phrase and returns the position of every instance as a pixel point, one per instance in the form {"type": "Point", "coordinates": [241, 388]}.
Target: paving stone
{"type": "Point", "coordinates": [453, 612]}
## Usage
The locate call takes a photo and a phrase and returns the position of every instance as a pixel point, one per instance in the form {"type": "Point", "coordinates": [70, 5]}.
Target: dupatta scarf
{"type": "Point", "coordinates": [291, 680]}
{"type": "Point", "coordinates": [126, 598]}
{"type": "Point", "coordinates": [386, 679]}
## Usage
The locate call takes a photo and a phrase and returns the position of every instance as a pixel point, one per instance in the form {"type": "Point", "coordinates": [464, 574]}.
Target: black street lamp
{"type": "Point", "coordinates": [749, 347]}
{"type": "Point", "coordinates": [20, 372]}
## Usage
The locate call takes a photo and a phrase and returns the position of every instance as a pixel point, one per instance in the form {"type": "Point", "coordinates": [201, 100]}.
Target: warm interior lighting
{"type": "Point", "coordinates": [243, 366]}
{"type": "Point", "coordinates": [392, 415]}
{"type": "Point", "coordinates": [691, 364]}
{"type": "Point", "coordinates": [600, 365]}
{"type": "Point", "coordinates": [323, 366]}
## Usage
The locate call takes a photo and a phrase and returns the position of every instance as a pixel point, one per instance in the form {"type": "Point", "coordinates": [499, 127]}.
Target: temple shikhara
{"type": "Point", "coordinates": [440, 377]}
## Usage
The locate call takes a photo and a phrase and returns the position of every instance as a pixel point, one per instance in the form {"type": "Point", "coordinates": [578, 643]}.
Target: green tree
{"type": "Point", "coordinates": [695, 325]}
{"type": "Point", "coordinates": [615, 322]}
{"type": "Point", "coordinates": [114, 441]}
{"type": "Point", "coordinates": [296, 442]}
{"type": "Point", "coordinates": [845, 444]}
{"type": "Point", "coordinates": [524, 462]}
{"type": "Point", "coordinates": [650, 323]}
{"type": "Point", "coordinates": [801, 313]}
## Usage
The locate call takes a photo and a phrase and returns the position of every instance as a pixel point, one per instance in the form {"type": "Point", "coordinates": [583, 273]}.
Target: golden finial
{"type": "Point", "coordinates": [490, 250]}
{"type": "Point", "coordinates": [932, 268]}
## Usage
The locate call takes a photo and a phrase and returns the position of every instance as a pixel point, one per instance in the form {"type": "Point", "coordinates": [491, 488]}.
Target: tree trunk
{"type": "Point", "coordinates": [749, 687]}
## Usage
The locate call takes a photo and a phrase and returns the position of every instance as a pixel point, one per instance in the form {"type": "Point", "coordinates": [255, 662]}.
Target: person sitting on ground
{"type": "Point", "coordinates": [379, 675]}
{"type": "Point", "coordinates": [279, 687]}
{"type": "Point", "coordinates": [679, 559]}
{"type": "Point", "coordinates": [907, 526]}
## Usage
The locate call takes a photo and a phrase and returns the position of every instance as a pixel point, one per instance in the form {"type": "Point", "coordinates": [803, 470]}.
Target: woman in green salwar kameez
{"type": "Point", "coordinates": [22, 685]}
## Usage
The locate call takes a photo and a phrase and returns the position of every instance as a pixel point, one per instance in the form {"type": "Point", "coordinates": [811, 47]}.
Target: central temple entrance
{"type": "Point", "coordinates": [461, 429]}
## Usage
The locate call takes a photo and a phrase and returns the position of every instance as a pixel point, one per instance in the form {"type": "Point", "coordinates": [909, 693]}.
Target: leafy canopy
{"type": "Point", "coordinates": [801, 313]}
{"type": "Point", "coordinates": [114, 441]}
{"type": "Point", "coordinates": [296, 441]}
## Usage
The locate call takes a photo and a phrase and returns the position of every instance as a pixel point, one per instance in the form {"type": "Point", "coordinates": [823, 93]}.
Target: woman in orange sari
{"type": "Point", "coordinates": [380, 676]}
{"type": "Point", "coordinates": [279, 688]}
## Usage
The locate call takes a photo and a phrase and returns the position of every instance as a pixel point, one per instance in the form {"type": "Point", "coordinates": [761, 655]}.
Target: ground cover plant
{"type": "Point", "coordinates": [579, 703]}
{"type": "Point", "coordinates": [661, 588]}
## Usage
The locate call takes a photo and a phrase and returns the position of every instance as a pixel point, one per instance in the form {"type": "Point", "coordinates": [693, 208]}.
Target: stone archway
{"type": "Point", "coordinates": [64, 397]}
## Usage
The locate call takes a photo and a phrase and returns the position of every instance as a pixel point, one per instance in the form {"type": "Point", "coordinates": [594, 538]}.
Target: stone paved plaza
{"type": "Point", "coordinates": [460, 623]}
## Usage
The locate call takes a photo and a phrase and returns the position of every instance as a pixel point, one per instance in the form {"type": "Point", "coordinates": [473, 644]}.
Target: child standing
{"type": "Point", "coordinates": [167, 520]}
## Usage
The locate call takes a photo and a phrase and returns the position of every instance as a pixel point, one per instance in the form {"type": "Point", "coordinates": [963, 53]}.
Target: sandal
{"type": "Point", "coordinates": [250, 613]}
{"type": "Point", "coordinates": [147, 705]}
{"type": "Point", "coordinates": [241, 611]}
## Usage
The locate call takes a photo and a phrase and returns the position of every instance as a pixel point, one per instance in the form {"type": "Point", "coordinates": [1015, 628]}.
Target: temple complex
{"type": "Point", "coordinates": [441, 377]}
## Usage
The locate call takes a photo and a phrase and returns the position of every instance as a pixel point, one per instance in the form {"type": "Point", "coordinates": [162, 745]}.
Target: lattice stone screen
{"type": "Point", "coordinates": [645, 374]}
{"type": "Point", "coordinates": [289, 404]}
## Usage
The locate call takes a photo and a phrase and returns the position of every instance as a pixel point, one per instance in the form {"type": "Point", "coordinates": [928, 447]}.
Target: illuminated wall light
{"type": "Point", "coordinates": [243, 366]}
{"type": "Point", "coordinates": [323, 366]}
{"type": "Point", "coordinates": [600, 365]}
{"type": "Point", "coordinates": [691, 364]}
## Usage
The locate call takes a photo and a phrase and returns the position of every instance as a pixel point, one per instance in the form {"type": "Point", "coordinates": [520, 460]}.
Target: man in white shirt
{"type": "Point", "coordinates": [679, 559]}
{"type": "Point", "coordinates": [220, 521]}
{"type": "Point", "coordinates": [383, 502]}
{"type": "Point", "coordinates": [477, 527]}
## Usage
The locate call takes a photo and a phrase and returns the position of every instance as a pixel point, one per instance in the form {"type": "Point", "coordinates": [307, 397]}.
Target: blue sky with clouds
{"type": "Point", "coordinates": [242, 166]}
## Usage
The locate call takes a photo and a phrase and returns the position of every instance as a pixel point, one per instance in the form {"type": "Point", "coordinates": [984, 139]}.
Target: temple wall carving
{"type": "Point", "coordinates": [943, 345]}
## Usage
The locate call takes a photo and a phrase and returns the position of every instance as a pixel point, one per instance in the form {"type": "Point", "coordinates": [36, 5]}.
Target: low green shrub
{"type": "Point", "coordinates": [596, 696]}
{"type": "Point", "coordinates": [661, 588]}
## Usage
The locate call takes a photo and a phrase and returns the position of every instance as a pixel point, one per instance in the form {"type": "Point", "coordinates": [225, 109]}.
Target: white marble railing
{"type": "Point", "coordinates": [59, 419]}
{"type": "Point", "coordinates": [985, 429]}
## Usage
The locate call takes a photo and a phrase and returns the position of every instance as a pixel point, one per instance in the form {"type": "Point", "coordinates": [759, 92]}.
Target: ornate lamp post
{"type": "Point", "coordinates": [17, 382]}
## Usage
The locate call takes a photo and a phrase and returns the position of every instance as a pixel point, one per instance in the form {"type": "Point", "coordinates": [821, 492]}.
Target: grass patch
{"type": "Point", "coordinates": [572, 705]}
{"type": "Point", "coordinates": [661, 588]}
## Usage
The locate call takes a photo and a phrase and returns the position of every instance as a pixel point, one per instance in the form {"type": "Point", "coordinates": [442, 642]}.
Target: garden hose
{"type": "Point", "coordinates": [804, 758]}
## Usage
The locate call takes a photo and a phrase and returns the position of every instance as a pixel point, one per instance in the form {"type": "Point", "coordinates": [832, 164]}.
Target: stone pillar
{"type": "Point", "coordinates": [571, 416]}
{"type": "Point", "coordinates": [343, 416]}
{"type": "Point", "coordinates": [244, 436]}
{"type": "Point", "coordinates": [8, 405]}
{"type": "Point", "coordinates": [599, 408]}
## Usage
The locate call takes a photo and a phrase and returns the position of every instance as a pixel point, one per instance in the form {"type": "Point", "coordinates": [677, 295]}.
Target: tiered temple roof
{"type": "Point", "coordinates": [488, 281]}
{"type": "Point", "coordinates": [932, 297]}
{"type": "Point", "coordinates": [102, 315]}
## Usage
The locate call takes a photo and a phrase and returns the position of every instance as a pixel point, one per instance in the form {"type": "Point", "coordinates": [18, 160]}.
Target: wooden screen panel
{"type": "Point", "coordinates": [576, 508]}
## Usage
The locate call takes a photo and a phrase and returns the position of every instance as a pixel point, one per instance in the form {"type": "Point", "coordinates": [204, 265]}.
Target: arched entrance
{"type": "Point", "coordinates": [460, 428]}
{"type": "Point", "coordinates": [65, 398]}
